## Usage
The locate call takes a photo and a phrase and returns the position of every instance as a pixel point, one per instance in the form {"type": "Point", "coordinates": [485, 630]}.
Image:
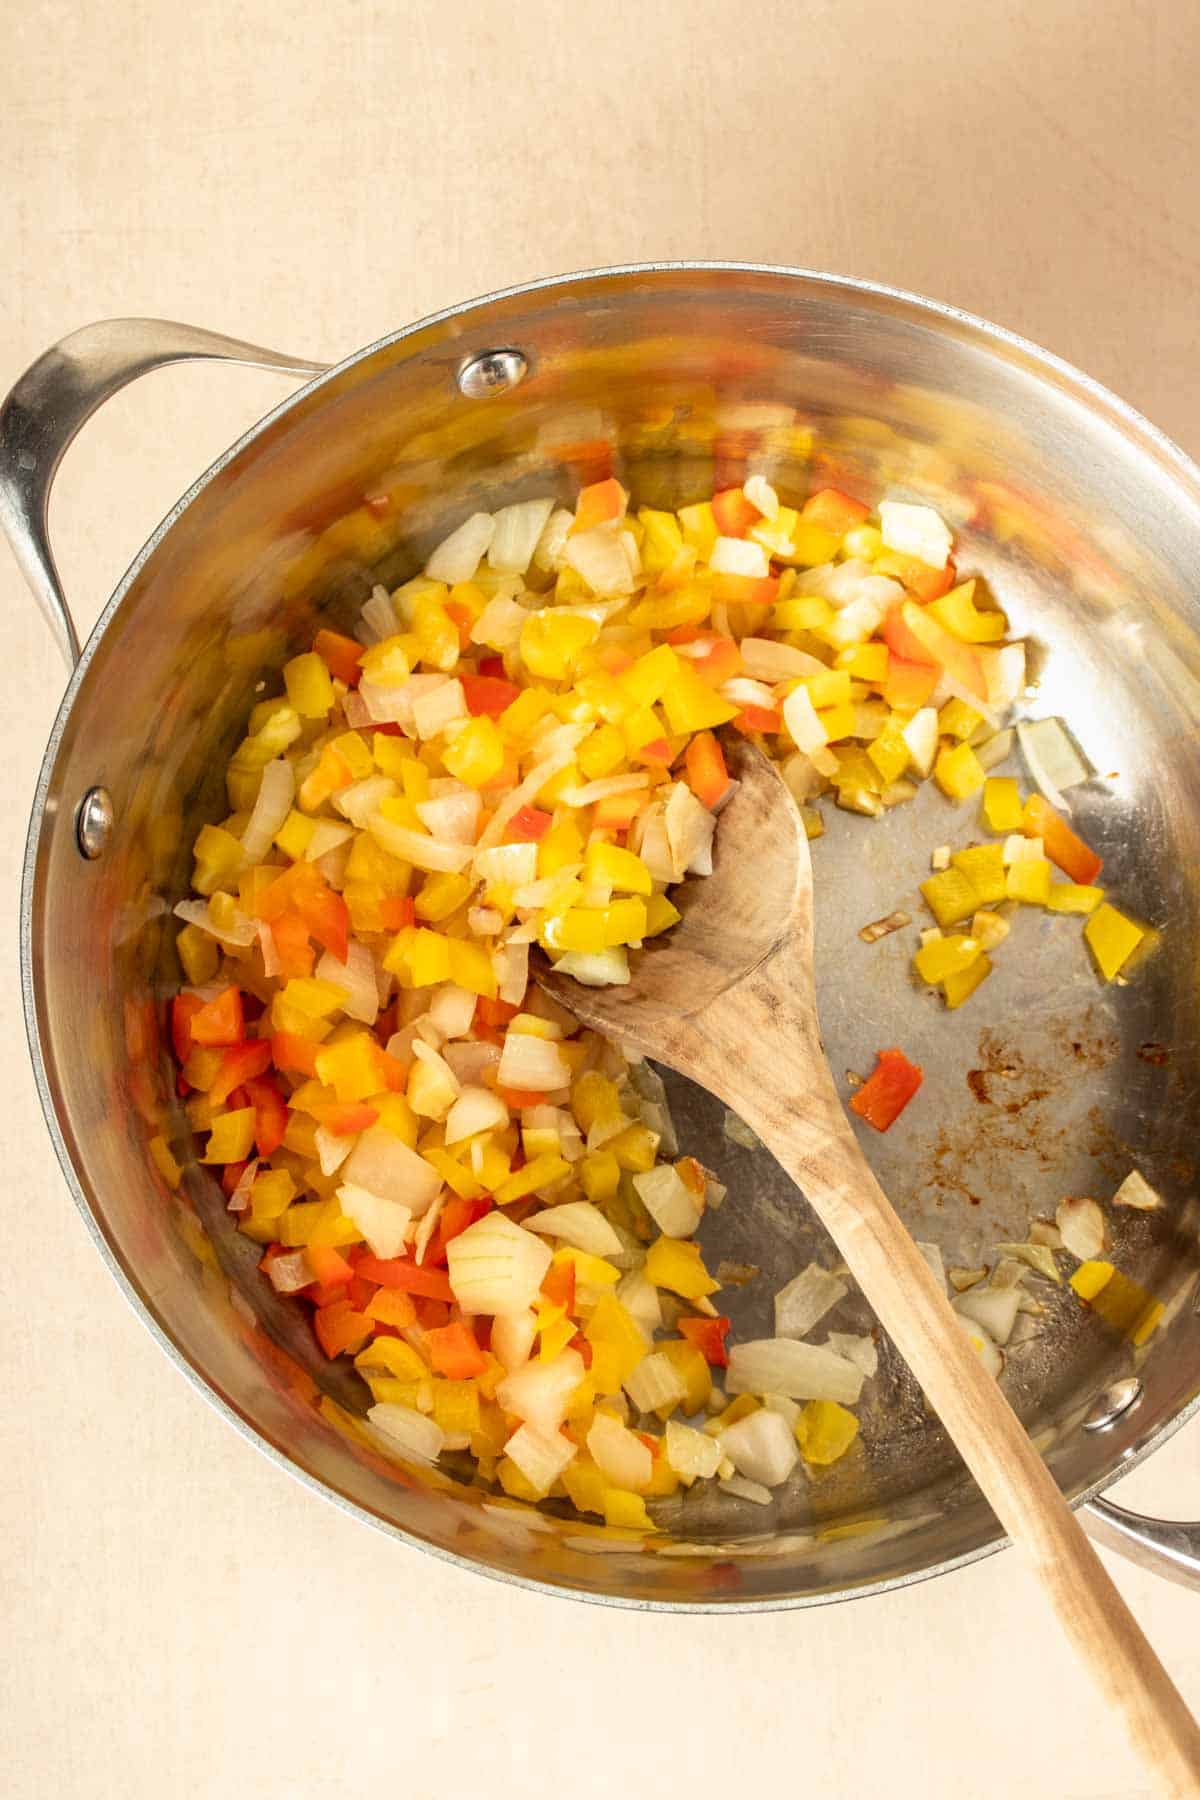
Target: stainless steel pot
{"type": "Point", "coordinates": [1087, 522]}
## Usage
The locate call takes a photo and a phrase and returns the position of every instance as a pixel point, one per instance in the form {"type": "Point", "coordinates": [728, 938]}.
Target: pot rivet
{"type": "Point", "coordinates": [491, 372]}
{"type": "Point", "coordinates": [94, 823]}
{"type": "Point", "coordinates": [1113, 1403]}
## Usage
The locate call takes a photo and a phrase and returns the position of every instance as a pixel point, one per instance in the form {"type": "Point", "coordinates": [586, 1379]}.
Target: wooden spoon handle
{"type": "Point", "coordinates": [772, 1069]}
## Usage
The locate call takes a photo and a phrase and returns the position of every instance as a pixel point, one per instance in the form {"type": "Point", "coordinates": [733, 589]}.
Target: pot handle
{"type": "Point", "coordinates": [1164, 1546]}
{"type": "Point", "coordinates": [56, 397]}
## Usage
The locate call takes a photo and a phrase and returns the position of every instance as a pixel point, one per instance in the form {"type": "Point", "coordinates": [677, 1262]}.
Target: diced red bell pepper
{"type": "Point", "coordinates": [184, 1008]}
{"type": "Point", "coordinates": [528, 824]}
{"type": "Point", "coordinates": [487, 694]}
{"type": "Point", "coordinates": [328, 1265]}
{"type": "Point", "coordinates": [757, 718]}
{"type": "Point", "coordinates": [559, 1285]}
{"type": "Point", "coordinates": [341, 655]}
{"type": "Point", "coordinates": [293, 951]}
{"type": "Point", "coordinates": [746, 590]}
{"type": "Point", "coordinates": [734, 513]}
{"type": "Point", "coordinates": [345, 1120]}
{"type": "Point", "coordinates": [432, 1314]}
{"type": "Point", "coordinates": [709, 1336]}
{"type": "Point", "coordinates": [456, 1216]}
{"type": "Point", "coordinates": [221, 1022]}
{"type": "Point", "coordinates": [704, 765]}
{"type": "Point", "coordinates": [360, 1292]}
{"type": "Point", "coordinates": [296, 1054]}
{"type": "Point", "coordinates": [888, 1089]}
{"type": "Point", "coordinates": [240, 1064]}
{"type": "Point", "coordinates": [454, 1352]}
{"type": "Point", "coordinates": [340, 1328]}
{"type": "Point", "coordinates": [834, 511]}
{"type": "Point", "coordinates": [598, 504]}
{"type": "Point", "coordinates": [1076, 859]}
{"type": "Point", "coordinates": [494, 1013]}
{"type": "Point", "coordinates": [393, 1074]}
{"type": "Point", "coordinates": [517, 1099]}
{"type": "Point", "coordinates": [270, 1114]}
{"type": "Point", "coordinates": [396, 911]}
{"type": "Point", "coordinates": [908, 685]}
{"type": "Point", "coordinates": [403, 1272]}
{"type": "Point", "coordinates": [493, 666]}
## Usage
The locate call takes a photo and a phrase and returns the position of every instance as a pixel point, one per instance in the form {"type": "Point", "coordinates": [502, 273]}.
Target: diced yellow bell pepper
{"type": "Point", "coordinates": [740, 1408]}
{"type": "Point", "coordinates": [1090, 1277]}
{"type": "Point", "coordinates": [601, 753]}
{"type": "Point", "coordinates": [944, 956]}
{"type": "Point", "coordinates": [476, 753]}
{"type": "Point", "coordinates": [456, 1406]}
{"type": "Point", "coordinates": [598, 928]}
{"type": "Point", "coordinates": [829, 689]}
{"type": "Point", "coordinates": [1111, 938]}
{"type": "Point", "coordinates": [825, 1431]}
{"type": "Point", "coordinates": [515, 1484]}
{"type": "Point", "coordinates": [561, 846]}
{"type": "Point", "coordinates": [839, 721]}
{"type": "Point", "coordinates": [618, 868]}
{"type": "Point", "coordinates": [293, 835]}
{"type": "Point", "coordinates": [595, 1100]}
{"type": "Point", "coordinates": [889, 753]}
{"type": "Point", "coordinates": [315, 999]}
{"type": "Point", "coordinates": [420, 956]}
{"type": "Point", "coordinates": [699, 528]}
{"type": "Point", "coordinates": [950, 897]}
{"type": "Point", "coordinates": [626, 1511]}
{"type": "Point", "coordinates": [865, 662]}
{"type": "Point", "coordinates": [661, 914]}
{"type": "Point", "coordinates": [232, 1136]}
{"type": "Point", "coordinates": [164, 1161]}
{"type": "Point", "coordinates": [536, 1174]}
{"type": "Point", "coordinates": [647, 680]}
{"type": "Point", "coordinates": [554, 1337]}
{"type": "Point", "coordinates": [198, 954]}
{"type": "Point", "coordinates": [983, 866]}
{"type": "Point", "coordinates": [391, 1356]}
{"type": "Point", "coordinates": [300, 1137]}
{"type": "Point", "coordinates": [635, 1148]}
{"type": "Point", "coordinates": [1028, 882]}
{"type": "Point", "coordinates": [599, 1175]}
{"type": "Point", "coordinates": [351, 1067]}
{"type": "Point", "coordinates": [958, 772]}
{"type": "Point", "coordinates": [677, 1264]}
{"type": "Point", "coordinates": [271, 1195]}
{"type": "Point", "coordinates": [369, 862]}
{"type": "Point", "coordinates": [958, 614]}
{"type": "Point", "coordinates": [552, 640]}
{"type": "Point", "coordinates": [471, 968]}
{"type": "Point", "coordinates": [1002, 809]}
{"type": "Point", "coordinates": [662, 540]}
{"type": "Point", "coordinates": [812, 544]}
{"type": "Point", "coordinates": [355, 752]}
{"type": "Point", "coordinates": [1072, 897]}
{"type": "Point", "coordinates": [810, 613]}
{"type": "Point", "coordinates": [585, 1485]}
{"type": "Point", "coordinates": [331, 773]}
{"type": "Point", "coordinates": [958, 720]}
{"type": "Point", "coordinates": [441, 894]}
{"type": "Point", "coordinates": [690, 704]}
{"type": "Point", "coordinates": [961, 985]}
{"type": "Point", "coordinates": [613, 1330]}
{"type": "Point", "coordinates": [219, 859]}
{"type": "Point", "coordinates": [689, 1364]}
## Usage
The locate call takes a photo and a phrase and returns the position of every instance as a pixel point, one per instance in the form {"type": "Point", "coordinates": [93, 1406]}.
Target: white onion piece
{"type": "Point", "coordinates": [765, 660]}
{"type": "Point", "coordinates": [601, 557]}
{"type": "Point", "coordinates": [239, 1200]}
{"type": "Point", "coordinates": [507, 865]}
{"type": "Point", "coordinates": [484, 921]}
{"type": "Point", "coordinates": [692, 1454]}
{"type": "Point", "coordinates": [578, 1223]}
{"type": "Point", "coordinates": [740, 691]}
{"type": "Point", "coordinates": [689, 827]}
{"type": "Point", "coordinates": [620, 1456]}
{"type": "Point", "coordinates": [328, 835]}
{"type": "Point", "coordinates": [384, 1223]}
{"type": "Point", "coordinates": [861, 1351]}
{"type": "Point", "coordinates": [540, 1456]}
{"type": "Point", "coordinates": [518, 531]}
{"type": "Point", "coordinates": [1020, 849]}
{"type": "Point", "coordinates": [531, 1062]}
{"type": "Point", "coordinates": [739, 556]}
{"type": "Point", "coordinates": [476, 1109]}
{"type": "Point", "coordinates": [596, 968]}
{"type": "Point", "coordinates": [386, 703]}
{"type": "Point", "coordinates": [1038, 1256]}
{"type": "Point", "coordinates": [920, 737]}
{"type": "Point", "coordinates": [784, 1366]}
{"type": "Point", "coordinates": [453, 818]}
{"type": "Point", "coordinates": [288, 1274]}
{"type": "Point", "coordinates": [1051, 759]}
{"type": "Point", "coordinates": [742, 1489]}
{"type": "Point", "coordinates": [527, 791]}
{"type": "Point", "coordinates": [499, 625]}
{"type": "Point", "coordinates": [761, 495]}
{"type": "Point", "coordinates": [995, 1309]}
{"type": "Point", "coordinates": [266, 945]}
{"type": "Point", "coordinates": [805, 1300]}
{"type": "Point", "coordinates": [548, 554]}
{"type": "Point", "coordinates": [275, 794]}
{"type": "Point", "coordinates": [762, 1447]}
{"type": "Point", "coordinates": [416, 848]}
{"type": "Point", "coordinates": [803, 778]}
{"type": "Point", "coordinates": [639, 1297]}
{"type": "Point", "coordinates": [589, 792]}
{"type": "Point", "coordinates": [358, 802]}
{"type": "Point", "coordinates": [1081, 1224]}
{"type": "Point", "coordinates": [539, 1392]}
{"type": "Point", "coordinates": [402, 1428]}
{"type": "Point", "coordinates": [496, 1267]}
{"type": "Point", "coordinates": [378, 618]}
{"type": "Point", "coordinates": [240, 928]}
{"type": "Point", "coordinates": [472, 1062]}
{"type": "Point", "coordinates": [511, 964]}
{"type": "Point", "coordinates": [1003, 673]}
{"type": "Point", "coordinates": [452, 1009]}
{"type": "Point", "coordinates": [989, 1353]}
{"type": "Point", "coordinates": [655, 1383]}
{"type": "Point", "coordinates": [357, 976]}
{"type": "Point", "coordinates": [787, 1409]}
{"type": "Point", "coordinates": [512, 1339]}
{"type": "Point", "coordinates": [996, 749]}
{"type": "Point", "coordinates": [332, 1150]}
{"type": "Point", "coordinates": [1136, 1191]}
{"type": "Point", "coordinates": [384, 1165]}
{"type": "Point", "coordinates": [438, 707]}
{"type": "Point", "coordinates": [458, 556]}
{"type": "Point", "coordinates": [675, 1209]}
{"type": "Point", "coordinates": [915, 531]}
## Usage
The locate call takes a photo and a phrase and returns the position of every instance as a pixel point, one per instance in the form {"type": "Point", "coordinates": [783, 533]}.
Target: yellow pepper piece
{"type": "Point", "coordinates": [516, 1485]}
{"type": "Point", "coordinates": [198, 954]}
{"type": "Point", "coordinates": [662, 540]}
{"type": "Point", "coordinates": [471, 968]}
{"type": "Point", "coordinates": [617, 867]}
{"type": "Point", "coordinates": [661, 914]}
{"type": "Point", "coordinates": [585, 1485]}
{"type": "Point", "coordinates": [983, 866]}
{"type": "Point", "coordinates": [1029, 882]}
{"type": "Point", "coordinates": [309, 686]}
{"type": "Point", "coordinates": [811, 613]}
{"type": "Point", "coordinates": [839, 721]}
{"type": "Point", "coordinates": [441, 894]}
{"type": "Point", "coordinates": [164, 1161]}
{"type": "Point", "coordinates": [1111, 938]}
{"type": "Point", "coordinates": [958, 614]}
{"type": "Point", "coordinates": [597, 928]}
{"type": "Point", "coordinates": [1002, 809]}
{"type": "Point", "coordinates": [961, 985]}
{"type": "Point", "coordinates": [613, 1330]}
{"type": "Point", "coordinates": [351, 1068]}
{"type": "Point", "coordinates": [690, 704]}
{"type": "Point", "coordinates": [369, 862]}
{"type": "Point", "coordinates": [650, 676]}
{"type": "Point", "coordinates": [825, 1431]}
{"type": "Point", "coordinates": [626, 1510]}
{"type": "Point", "coordinates": [599, 1175]}
{"type": "Point", "coordinates": [889, 753]}
{"type": "Point", "coordinates": [456, 1406]}
{"type": "Point", "coordinates": [536, 1174]}
{"type": "Point", "coordinates": [330, 774]}
{"type": "Point", "coordinates": [457, 1177]}
{"type": "Point", "coordinates": [391, 1356]}
{"type": "Point", "coordinates": [601, 753]}
{"type": "Point", "coordinates": [865, 662]}
{"type": "Point", "coordinates": [677, 1264]}
{"type": "Point", "coordinates": [476, 754]}
{"type": "Point", "coordinates": [741, 1408]}
{"type": "Point", "coordinates": [232, 1136]}
{"type": "Point", "coordinates": [355, 752]}
{"type": "Point", "coordinates": [699, 528]}
{"type": "Point", "coordinates": [219, 859]}
{"type": "Point", "coordinates": [552, 640]}
{"type": "Point", "coordinates": [811, 544]}
{"type": "Point", "coordinates": [950, 897]}
{"type": "Point", "coordinates": [958, 720]}
{"type": "Point", "coordinates": [944, 956]}
{"type": "Point", "coordinates": [958, 772]}
{"type": "Point", "coordinates": [830, 689]}
{"type": "Point", "coordinates": [635, 1148]}
{"type": "Point", "coordinates": [315, 999]}
{"type": "Point", "coordinates": [293, 835]}
{"type": "Point", "coordinates": [420, 955]}
{"type": "Point", "coordinates": [693, 1371]}
{"type": "Point", "coordinates": [1072, 897]}
{"type": "Point", "coordinates": [1090, 1277]}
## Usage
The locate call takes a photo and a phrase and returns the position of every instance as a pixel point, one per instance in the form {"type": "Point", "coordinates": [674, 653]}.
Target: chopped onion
{"type": "Point", "coordinates": [357, 976]}
{"type": "Point", "coordinates": [266, 945]}
{"type": "Point", "coordinates": [675, 1209]}
{"type": "Point", "coordinates": [1008, 1273]}
{"type": "Point", "coordinates": [692, 1454]}
{"type": "Point", "coordinates": [452, 1009]}
{"type": "Point", "coordinates": [507, 865]}
{"type": "Point", "coordinates": [539, 1392]}
{"type": "Point", "coordinates": [548, 554]}
{"type": "Point", "coordinates": [1019, 849]}
{"type": "Point", "coordinates": [655, 1383]}
{"type": "Point", "coordinates": [689, 827]}
{"type": "Point", "coordinates": [288, 1274]}
{"type": "Point", "coordinates": [476, 1109]}
{"type": "Point", "coordinates": [803, 778]}
{"type": "Point", "coordinates": [378, 616]}
{"type": "Point", "coordinates": [787, 1409]}
{"type": "Point", "coordinates": [920, 737]}
{"type": "Point", "coordinates": [761, 495]}
{"type": "Point", "coordinates": [742, 1489]}
{"type": "Point", "coordinates": [993, 1308]}
{"type": "Point", "coordinates": [384, 1165]}
{"type": "Point", "coordinates": [527, 791]}
{"type": "Point", "coordinates": [332, 1151]}
{"type": "Point", "coordinates": [484, 921]}
{"type": "Point", "coordinates": [356, 803]}
{"type": "Point", "coordinates": [1042, 1232]}
{"type": "Point", "coordinates": [328, 835]}
{"type": "Point", "coordinates": [438, 707]}
{"type": "Point", "coordinates": [453, 818]}
{"type": "Point", "coordinates": [472, 1062]}
{"type": "Point", "coordinates": [590, 791]}
{"type": "Point", "coordinates": [578, 1223]}
{"type": "Point", "coordinates": [1082, 1226]}
{"type": "Point", "coordinates": [601, 557]}
{"type": "Point", "coordinates": [762, 1447]}
{"type": "Point", "coordinates": [531, 1062]}
{"type": "Point", "coordinates": [640, 1298]}
{"type": "Point", "coordinates": [425, 1230]}
{"type": "Point", "coordinates": [996, 749]}
{"type": "Point", "coordinates": [540, 1456]}
{"type": "Point", "coordinates": [496, 1266]}
{"type": "Point", "coordinates": [988, 1352]}
{"type": "Point", "coordinates": [386, 704]}
{"type": "Point", "coordinates": [275, 794]}
{"type": "Point", "coordinates": [512, 1339]}
{"type": "Point", "coordinates": [518, 531]}
{"type": "Point", "coordinates": [741, 692]}
{"type": "Point", "coordinates": [1051, 759]}
{"type": "Point", "coordinates": [1136, 1191]}
{"type": "Point", "coordinates": [384, 1223]}
{"type": "Point", "coordinates": [416, 848]}
{"type": "Point", "coordinates": [1039, 1257]}
{"type": "Point", "coordinates": [500, 624]}
{"type": "Point", "coordinates": [801, 1371]}
{"type": "Point", "coordinates": [915, 531]}
{"type": "Point", "coordinates": [861, 1351]}
{"type": "Point", "coordinates": [596, 968]}
{"type": "Point", "coordinates": [458, 556]}
{"type": "Point", "coordinates": [739, 556]}
{"type": "Point", "coordinates": [805, 1300]}
{"type": "Point", "coordinates": [1003, 673]}
{"type": "Point", "coordinates": [239, 929]}
{"type": "Point", "coordinates": [511, 964]}
{"type": "Point", "coordinates": [239, 1200]}
{"type": "Point", "coordinates": [620, 1456]}
{"type": "Point", "coordinates": [962, 1279]}
{"type": "Point", "coordinates": [417, 1436]}
{"type": "Point", "coordinates": [881, 928]}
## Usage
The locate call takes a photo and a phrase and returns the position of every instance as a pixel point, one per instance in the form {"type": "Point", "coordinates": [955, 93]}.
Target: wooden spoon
{"type": "Point", "coordinates": [727, 999]}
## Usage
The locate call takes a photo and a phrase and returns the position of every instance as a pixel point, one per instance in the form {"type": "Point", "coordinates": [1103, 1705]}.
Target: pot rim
{"type": "Point", "coordinates": [1085, 388]}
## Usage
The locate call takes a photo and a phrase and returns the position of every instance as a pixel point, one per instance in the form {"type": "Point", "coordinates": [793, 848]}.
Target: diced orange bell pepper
{"type": "Point", "coordinates": [925, 582]}
{"type": "Point", "coordinates": [270, 1114]}
{"type": "Point", "coordinates": [296, 1054]}
{"type": "Point", "coordinates": [397, 911]}
{"type": "Point", "coordinates": [341, 655]}
{"type": "Point", "coordinates": [293, 951]}
{"type": "Point", "coordinates": [1076, 859]}
{"type": "Point", "coordinates": [339, 1328]}
{"type": "Point", "coordinates": [907, 685]}
{"type": "Point", "coordinates": [753, 719]}
{"type": "Point", "coordinates": [903, 642]}
{"type": "Point", "coordinates": [887, 1091]}
{"type": "Point", "coordinates": [834, 511]}
{"type": "Point", "coordinates": [734, 513]}
{"type": "Point", "coordinates": [402, 1272]}
{"type": "Point", "coordinates": [559, 1285]}
{"type": "Point", "coordinates": [184, 1008]}
{"type": "Point", "coordinates": [958, 659]}
{"type": "Point", "coordinates": [239, 1064]}
{"type": "Point", "coordinates": [704, 764]}
{"type": "Point", "coordinates": [598, 504]}
{"type": "Point", "coordinates": [390, 1307]}
{"type": "Point", "coordinates": [328, 1265]}
{"type": "Point", "coordinates": [708, 1335]}
{"type": "Point", "coordinates": [345, 1120]}
{"type": "Point", "coordinates": [221, 1022]}
{"type": "Point", "coordinates": [328, 919]}
{"type": "Point", "coordinates": [454, 1352]}
{"type": "Point", "coordinates": [746, 590]}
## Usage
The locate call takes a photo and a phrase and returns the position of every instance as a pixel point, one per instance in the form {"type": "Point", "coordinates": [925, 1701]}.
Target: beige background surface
{"type": "Point", "coordinates": [178, 1619]}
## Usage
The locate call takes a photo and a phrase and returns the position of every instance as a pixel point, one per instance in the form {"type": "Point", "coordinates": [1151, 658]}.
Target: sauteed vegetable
{"type": "Point", "coordinates": [474, 1196]}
